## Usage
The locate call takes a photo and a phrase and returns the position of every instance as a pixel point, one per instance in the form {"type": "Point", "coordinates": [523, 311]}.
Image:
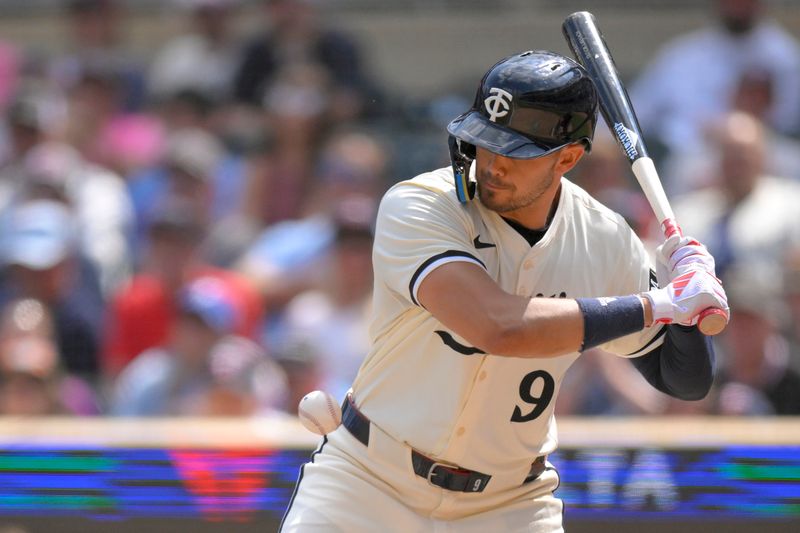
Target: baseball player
{"type": "Point", "coordinates": [491, 278]}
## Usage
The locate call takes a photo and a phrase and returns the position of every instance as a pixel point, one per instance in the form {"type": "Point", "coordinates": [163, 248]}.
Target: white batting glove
{"type": "Point", "coordinates": [679, 255]}
{"type": "Point", "coordinates": [686, 297]}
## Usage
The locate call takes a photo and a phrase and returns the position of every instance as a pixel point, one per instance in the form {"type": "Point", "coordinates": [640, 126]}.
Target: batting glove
{"type": "Point", "coordinates": [686, 297]}
{"type": "Point", "coordinates": [679, 255]}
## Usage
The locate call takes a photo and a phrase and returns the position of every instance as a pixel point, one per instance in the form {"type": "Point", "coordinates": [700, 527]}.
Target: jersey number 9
{"type": "Point", "coordinates": [540, 402]}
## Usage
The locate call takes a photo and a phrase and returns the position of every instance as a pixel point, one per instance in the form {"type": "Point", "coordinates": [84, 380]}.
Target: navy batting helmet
{"type": "Point", "coordinates": [527, 105]}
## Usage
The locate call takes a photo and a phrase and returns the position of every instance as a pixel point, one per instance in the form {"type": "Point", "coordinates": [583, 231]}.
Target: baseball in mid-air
{"type": "Point", "coordinates": [319, 412]}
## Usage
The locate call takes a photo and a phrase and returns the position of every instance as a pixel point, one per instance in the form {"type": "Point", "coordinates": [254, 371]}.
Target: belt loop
{"type": "Point", "coordinates": [476, 482]}
{"type": "Point", "coordinates": [538, 467]}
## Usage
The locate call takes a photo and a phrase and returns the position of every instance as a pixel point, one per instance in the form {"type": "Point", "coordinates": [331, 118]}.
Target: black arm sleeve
{"type": "Point", "coordinates": [683, 366]}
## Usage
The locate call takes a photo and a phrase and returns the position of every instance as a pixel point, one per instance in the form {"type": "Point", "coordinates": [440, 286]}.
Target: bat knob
{"type": "Point", "coordinates": [712, 321]}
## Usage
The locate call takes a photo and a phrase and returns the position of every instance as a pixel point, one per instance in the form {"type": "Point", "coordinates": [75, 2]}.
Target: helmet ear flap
{"type": "Point", "coordinates": [462, 154]}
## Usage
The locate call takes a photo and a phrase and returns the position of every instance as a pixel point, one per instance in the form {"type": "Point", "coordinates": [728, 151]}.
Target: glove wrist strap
{"type": "Point", "coordinates": [661, 304]}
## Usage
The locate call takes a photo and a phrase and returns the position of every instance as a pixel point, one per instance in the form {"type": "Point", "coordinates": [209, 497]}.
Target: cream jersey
{"type": "Point", "coordinates": [425, 385]}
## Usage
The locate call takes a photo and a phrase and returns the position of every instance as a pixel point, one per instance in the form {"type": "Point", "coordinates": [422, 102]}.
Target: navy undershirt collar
{"type": "Point", "coordinates": [531, 235]}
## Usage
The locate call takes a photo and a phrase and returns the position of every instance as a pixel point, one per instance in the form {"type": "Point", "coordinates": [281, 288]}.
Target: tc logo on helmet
{"type": "Point", "coordinates": [498, 104]}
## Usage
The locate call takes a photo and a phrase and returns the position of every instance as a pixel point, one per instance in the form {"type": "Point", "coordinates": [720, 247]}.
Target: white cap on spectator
{"type": "Point", "coordinates": [195, 152]}
{"type": "Point", "coordinates": [38, 235]}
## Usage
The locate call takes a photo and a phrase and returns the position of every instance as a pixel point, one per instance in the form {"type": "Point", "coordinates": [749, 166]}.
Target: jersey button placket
{"type": "Point", "coordinates": [522, 288]}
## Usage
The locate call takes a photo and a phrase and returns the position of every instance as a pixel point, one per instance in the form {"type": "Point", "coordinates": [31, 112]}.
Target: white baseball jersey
{"type": "Point", "coordinates": [426, 386]}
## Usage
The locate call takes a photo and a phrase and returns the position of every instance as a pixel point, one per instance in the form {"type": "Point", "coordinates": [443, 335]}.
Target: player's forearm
{"type": "Point", "coordinates": [546, 327]}
{"type": "Point", "coordinates": [466, 301]}
{"type": "Point", "coordinates": [513, 326]}
{"type": "Point", "coordinates": [550, 327]}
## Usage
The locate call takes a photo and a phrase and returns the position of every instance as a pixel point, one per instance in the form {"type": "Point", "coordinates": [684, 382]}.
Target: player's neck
{"type": "Point", "coordinates": [539, 214]}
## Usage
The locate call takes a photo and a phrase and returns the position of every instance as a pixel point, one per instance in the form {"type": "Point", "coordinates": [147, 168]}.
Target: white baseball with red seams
{"type": "Point", "coordinates": [319, 412]}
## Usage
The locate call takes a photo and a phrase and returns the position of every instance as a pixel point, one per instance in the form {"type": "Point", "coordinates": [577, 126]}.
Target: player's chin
{"type": "Point", "coordinates": [494, 199]}
{"type": "Point", "coordinates": [487, 199]}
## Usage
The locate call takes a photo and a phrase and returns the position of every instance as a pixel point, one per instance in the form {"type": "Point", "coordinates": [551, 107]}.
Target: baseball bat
{"type": "Point", "coordinates": [589, 47]}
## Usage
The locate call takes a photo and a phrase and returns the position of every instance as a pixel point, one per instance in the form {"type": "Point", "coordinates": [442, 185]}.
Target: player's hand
{"type": "Point", "coordinates": [688, 295]}
{"type": "Point", "coordinates": [679, 255]}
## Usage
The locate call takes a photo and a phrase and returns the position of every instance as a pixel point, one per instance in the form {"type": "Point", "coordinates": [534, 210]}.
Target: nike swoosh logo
{"type": "Point", "coordinates": [478, 244]}
{"type": "Point", "coordinates": [450, 342]}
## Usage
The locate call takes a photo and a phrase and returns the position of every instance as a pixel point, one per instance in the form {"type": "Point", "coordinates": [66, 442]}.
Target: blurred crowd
{"type": "Point", "coordinates": [187, 233]}
{"type": "Point", "coordinates": [190, 233]}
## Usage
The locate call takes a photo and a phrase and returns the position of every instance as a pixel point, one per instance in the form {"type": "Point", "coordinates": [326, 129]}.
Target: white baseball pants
{"type": "Point", "coordinates": [350, 488]}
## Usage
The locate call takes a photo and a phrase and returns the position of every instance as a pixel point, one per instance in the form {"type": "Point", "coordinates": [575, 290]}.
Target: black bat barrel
{"type": "Point", "coordinates": [589, 48]}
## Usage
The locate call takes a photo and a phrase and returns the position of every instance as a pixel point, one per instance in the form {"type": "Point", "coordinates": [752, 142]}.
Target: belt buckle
{"type": "Point", "coordinates": [431, 472]}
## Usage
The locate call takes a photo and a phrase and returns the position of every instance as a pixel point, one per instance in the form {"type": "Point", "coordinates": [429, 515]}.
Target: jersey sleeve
{"type": "Point", "coordinates": [634, 275]}
{"type": "Point", "coordinates": [418, 230]}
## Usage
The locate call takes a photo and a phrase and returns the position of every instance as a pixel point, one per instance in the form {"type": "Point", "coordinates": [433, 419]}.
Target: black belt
{"type": "Point", "coordinates": [444, 476]}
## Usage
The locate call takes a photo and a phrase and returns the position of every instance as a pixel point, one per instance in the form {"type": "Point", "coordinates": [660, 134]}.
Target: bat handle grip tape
{"type": "Point", "coordinates": [670, 227]}
{"type": "Point", "coordinates": [712, 321]}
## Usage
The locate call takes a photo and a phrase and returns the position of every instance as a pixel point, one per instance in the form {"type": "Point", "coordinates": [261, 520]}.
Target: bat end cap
{"type": "Point", "coordinates": [712, 321]}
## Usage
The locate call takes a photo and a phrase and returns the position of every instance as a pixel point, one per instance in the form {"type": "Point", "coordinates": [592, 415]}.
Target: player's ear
{"type": "Point", "coordinates": [568, 157]}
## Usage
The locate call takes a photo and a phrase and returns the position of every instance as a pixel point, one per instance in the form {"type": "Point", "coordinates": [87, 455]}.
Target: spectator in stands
{"type": "Point", "coordinates": [40, 163]}
{"type": "Point", "coordinates": [105, 133]}
{"type": "Point", "coordinates": [142, 314]}
{"type": "Point", "coordinates": [31, 380]}
{"type": "Point", "coordinates": [95, 43]}
{"type": "Point", "coordinates": [303, 369]}
{"type": "Point", "coordinates": [331, 321]}
{"type": "Point", "coordinates": [293, 35]}
{"type": "Point", "coordinates": [756, 377]}
{"type": "Point", "coordinates": [42, 260]}
{"type": "Point", "coordinates": [296, 110]}
{"type": "Point", "coordinates": [755, 95]}
{"type": "Point", "coordinates": [94, 103]}
{"type": "Point", "coordinates": [692, 168]}
{"type": "Point", "coordinates": [187, 109]}
{"type": "Point", "coordinates": [692, 80]}
{"type": "Point", "coordinates": [747, 216]}
{"type": "Point", "coordinates": [97, 197]}
{"type": "Point", "coordinates": [286, 258]}
{"type": "Point", "coordinates": [105, 85]}
{"type": "Point", "coordinates": [203, 60]}
{"type": "Point", "coordinates": [11, 59]}
{"type": "Point", "coordinates": [175, 379]}
{"type": "Point", "coordinates": [186, 173]}
{"type": "Point", "coordinates": [130, 143]}
{"type": "Point", "coordinates": [198, 134]}
{"type": "Point", "coordinates": [32, 117]}
{"type": "Point", "coordinates": [246, 381]}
